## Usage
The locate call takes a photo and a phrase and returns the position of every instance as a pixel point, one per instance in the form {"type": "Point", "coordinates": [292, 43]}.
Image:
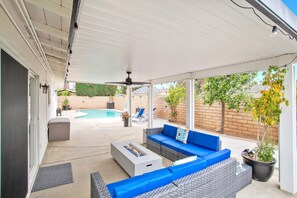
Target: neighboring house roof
{"type": "Point", "coordinates": [144, 90]}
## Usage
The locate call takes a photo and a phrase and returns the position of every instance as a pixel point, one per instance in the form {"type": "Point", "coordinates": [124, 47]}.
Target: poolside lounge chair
{"type": "Point", "coordinates": [138, 117]}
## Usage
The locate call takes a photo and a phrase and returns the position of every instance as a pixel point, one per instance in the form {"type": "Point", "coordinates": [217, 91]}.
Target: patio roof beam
{"type": "Point", "coordinates": [62, 65]}
{"type": "Point", "coordinates": [54, 59]}
{"type": "Point", "coordinates": [249, 66]}
{"type": "Point", "coordinates": [50, 30]}
{"type": "Point", "coordinates": [51, 6]}
{"type": "Point", "coordinates": [174, 78]}
{"type": "Point", "coordinates": [58, 69]}
{"type": "Point", "coordinates": [55, 54]}
{"type": "Point", "coordinates": [52, 44]}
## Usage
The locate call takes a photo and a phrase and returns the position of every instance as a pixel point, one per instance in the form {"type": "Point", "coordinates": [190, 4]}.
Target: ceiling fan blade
{"type": "Point", "coordinates": [140, 83]}
{"type": "Point", "coordinates": [115, 83]}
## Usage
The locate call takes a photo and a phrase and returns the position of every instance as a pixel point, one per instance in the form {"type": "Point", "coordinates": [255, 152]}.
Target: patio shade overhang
{"type": "Point", "coordinates": [159, 39]}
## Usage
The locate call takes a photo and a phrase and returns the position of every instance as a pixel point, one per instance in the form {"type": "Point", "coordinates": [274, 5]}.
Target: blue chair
{"type": "Point", "coordinates": [138, 116]}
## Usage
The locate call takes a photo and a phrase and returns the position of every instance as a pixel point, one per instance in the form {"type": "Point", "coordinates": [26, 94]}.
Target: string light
{"type": "Point", "coordinates": [274, 31]}
{"type": "Point", "coordinates": [273, 26]}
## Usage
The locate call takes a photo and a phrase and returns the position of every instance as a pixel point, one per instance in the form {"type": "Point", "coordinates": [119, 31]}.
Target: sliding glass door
{"type": "Point", "coordinates": [33, 124]}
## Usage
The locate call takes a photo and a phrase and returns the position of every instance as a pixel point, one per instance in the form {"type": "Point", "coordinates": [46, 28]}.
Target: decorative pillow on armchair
{"type": "Point", "coordinates": [182, 135]}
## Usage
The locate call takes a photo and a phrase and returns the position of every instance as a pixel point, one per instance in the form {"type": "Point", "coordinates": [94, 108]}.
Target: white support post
{"type": "Point", "coordinates": [190, 104]}
{"type": "Point", "coordinates": [287, 136]}
{"type": "Point", "coordinates": [150, 105]}
{"type": "Point", "coordinates": [130, 104]}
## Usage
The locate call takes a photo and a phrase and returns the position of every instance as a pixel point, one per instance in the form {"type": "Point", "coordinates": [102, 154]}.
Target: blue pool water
{"type": "Point", "coordinates": [100, 113]}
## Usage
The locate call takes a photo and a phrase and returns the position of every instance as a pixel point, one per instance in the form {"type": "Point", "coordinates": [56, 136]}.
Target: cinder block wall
{"type": "Point", "coordinates": [99, 102]}
{"type": "Point", "coordinates": [239, 124]}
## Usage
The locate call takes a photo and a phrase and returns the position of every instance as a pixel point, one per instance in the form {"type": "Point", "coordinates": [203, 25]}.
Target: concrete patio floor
{"type": "Point", "coordinates": [88, 150]}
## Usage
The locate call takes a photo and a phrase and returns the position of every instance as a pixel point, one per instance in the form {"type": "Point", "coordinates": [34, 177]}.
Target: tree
{"type": "Point", "coordinates": [266, 110]}
{"type": "Point", "coordinates": [231, 90]}
{"type": "Point", "coordinates": [63, 93]}
{"type": "Point", "coordinates": [121, 89]}
{"type": "Point", "coordinates": [176, 94]}
{"type": "Point", "coordinates": [199, 85]}
{"type": "Point", "coordinates": [84, 89]}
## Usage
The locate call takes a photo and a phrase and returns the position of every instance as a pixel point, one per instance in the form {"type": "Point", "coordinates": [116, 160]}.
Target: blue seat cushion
{"type": "Point", "coordinates": [192, 149]}
{"type": "Point", "coordinates": [207, 140]}
{"type": "Point", "coordinates": [132, 187]}
{"type": "Point", "coordinates": [173, 144]}
{"type": "Point", "coordinates": [188, 168]}
{"type": "Point", "coordinates": [217, 157]}
{"type": "Point", "coordinates": [158, 138]}
{"type": "Point", "coordinates": [169, 130]}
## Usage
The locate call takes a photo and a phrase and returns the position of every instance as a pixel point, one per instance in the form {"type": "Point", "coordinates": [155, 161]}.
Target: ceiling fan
{"type": "Point", "coordinates": [128, 81]}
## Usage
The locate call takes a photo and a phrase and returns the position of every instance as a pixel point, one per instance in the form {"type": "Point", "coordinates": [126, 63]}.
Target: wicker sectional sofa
{"type": "Point", "coordinates": [220, 180]}
{"type": "Point", "coordinates": [213, 174]}
{"type": "Point", "coordinates": [162, 141]}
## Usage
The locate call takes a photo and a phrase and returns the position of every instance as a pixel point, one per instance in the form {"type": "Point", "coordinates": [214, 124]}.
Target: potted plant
{"type": "Point", "coordinates": [266, 110]}
{"type": "Point", "coordinates": [66, 104]}
{"type": "Point", "coordinates": [125, 118]}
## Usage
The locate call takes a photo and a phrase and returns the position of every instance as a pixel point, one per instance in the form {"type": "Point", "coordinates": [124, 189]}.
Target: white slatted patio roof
{"type": "Point", "coordinates": [156, 39]}
{"type": "Point", "coordinates": [51, 21]}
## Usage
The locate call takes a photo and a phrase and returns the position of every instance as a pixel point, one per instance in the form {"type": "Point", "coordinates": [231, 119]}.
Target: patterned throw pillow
{"type": "Point", "coordinates": [182, 135]}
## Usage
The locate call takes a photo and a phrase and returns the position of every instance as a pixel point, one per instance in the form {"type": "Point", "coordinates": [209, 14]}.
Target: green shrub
{"type": "Point", "coordinates": [63, 93]}
{"type": "Point", "coordinates": [83, 89]}
{"type": "Point", "coordinates": [266, 151]}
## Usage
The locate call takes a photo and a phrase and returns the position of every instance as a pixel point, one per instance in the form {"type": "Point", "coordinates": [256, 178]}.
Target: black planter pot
{"type": "Point", "coordinates": [110, 105]}
{"type": "Point", "coordinates": [262, 171]}
{"type": "Point", "coordinates": [126, 122]}
{"type": "Point", "coordinates": [66, 107]}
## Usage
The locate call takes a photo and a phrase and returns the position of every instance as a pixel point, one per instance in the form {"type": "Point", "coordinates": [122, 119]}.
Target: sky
{"type": "Point", "coordinates": [292, 5]}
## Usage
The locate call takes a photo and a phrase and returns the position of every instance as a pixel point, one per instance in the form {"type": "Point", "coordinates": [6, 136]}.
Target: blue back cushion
{"type": "Point", "coordinates": [217, 157]}
{"type": "Point", "coordinates": [206, 140]}
{"type": "Point", "coordinates": [191, 137]}
{"type": "Point", "coordinates": [132, 187]}
{"type": "Point", "coordinates": [169, 130]}
{"type": "Point", "coordinates": [133, 180]}
{"type": "Point", "coordinates": [188, 168]}
{"type": "Point", "coordinates": [157, 179]}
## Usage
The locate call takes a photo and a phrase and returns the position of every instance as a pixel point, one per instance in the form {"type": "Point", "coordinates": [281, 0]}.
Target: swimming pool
{"type": "Point", "coordinates": [99, 113]}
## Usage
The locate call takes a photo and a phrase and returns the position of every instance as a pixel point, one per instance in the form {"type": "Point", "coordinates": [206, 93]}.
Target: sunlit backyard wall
{"type": "Point", "coordinates": [239, 124]}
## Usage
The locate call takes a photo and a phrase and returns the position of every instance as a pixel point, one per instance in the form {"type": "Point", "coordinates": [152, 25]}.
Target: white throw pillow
{"type": "Point", "coordinates": [185, 160]}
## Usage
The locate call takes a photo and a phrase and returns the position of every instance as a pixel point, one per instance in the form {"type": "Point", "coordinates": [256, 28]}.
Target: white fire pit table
{"type": "Point", "coordinates": [134, 158]}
